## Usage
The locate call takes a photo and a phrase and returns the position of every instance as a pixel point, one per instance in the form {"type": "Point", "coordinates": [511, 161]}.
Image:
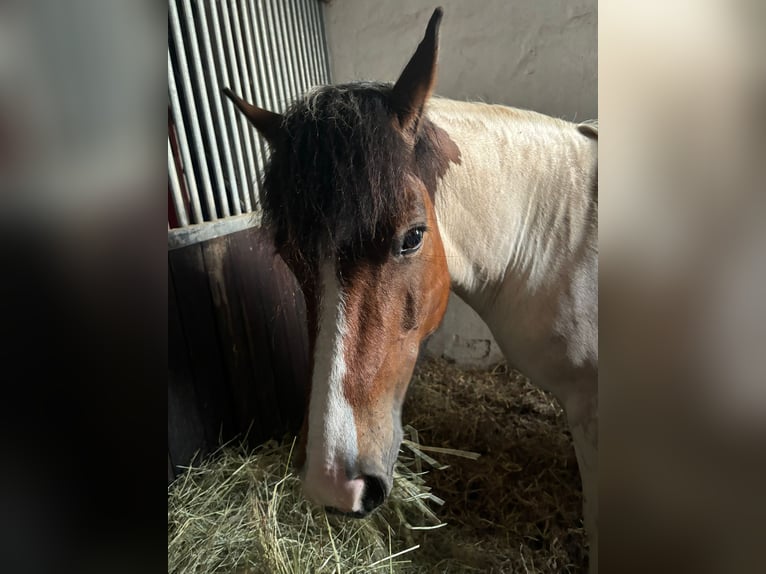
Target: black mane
{"type": "Point", "coordinates": [336, 178]}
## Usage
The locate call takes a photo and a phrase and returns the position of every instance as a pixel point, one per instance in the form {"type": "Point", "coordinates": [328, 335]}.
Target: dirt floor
{"type": "Point", "coordinates": [518, 507]}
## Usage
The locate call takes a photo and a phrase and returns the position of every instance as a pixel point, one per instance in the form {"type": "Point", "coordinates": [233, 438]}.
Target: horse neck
{"type": "Point", "coordinates": [518, 207]}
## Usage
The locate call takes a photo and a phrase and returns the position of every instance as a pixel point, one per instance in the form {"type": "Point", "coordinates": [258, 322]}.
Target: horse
{"type": "Point", "coordinates": [384, 197]}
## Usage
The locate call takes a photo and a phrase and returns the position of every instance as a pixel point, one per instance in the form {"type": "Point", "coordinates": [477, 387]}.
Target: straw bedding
{"type": "Point", "coordinates": [514, 508]}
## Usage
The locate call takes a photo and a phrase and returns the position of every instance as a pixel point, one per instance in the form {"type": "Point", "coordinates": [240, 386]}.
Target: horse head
{"type": "Point", "coordinates": [349, 191]}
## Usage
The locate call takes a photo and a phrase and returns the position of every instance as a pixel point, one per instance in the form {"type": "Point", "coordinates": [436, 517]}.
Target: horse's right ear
{"type": "Point", "coordinates": [268, 124]}
{"type": "Point", "coordinates": [417, 81]}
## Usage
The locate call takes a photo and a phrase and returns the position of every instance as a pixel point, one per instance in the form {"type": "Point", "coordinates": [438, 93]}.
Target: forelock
{"type": "Point", "coordinates": [336, 179]}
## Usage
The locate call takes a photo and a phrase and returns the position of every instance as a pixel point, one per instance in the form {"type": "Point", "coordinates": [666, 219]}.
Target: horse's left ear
{"type": "Point", "coordinates": [417, 81]}
{"type": "Point", "coordinates": [268, 124]}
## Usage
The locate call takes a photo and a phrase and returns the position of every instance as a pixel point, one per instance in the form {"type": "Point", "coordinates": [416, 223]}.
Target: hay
{"type": "Point", "coordinates": [489, 446]}
{"type": "Point", "coordinates": [517, 508]}
{"type": "Point", "coordinates": [244, 512]}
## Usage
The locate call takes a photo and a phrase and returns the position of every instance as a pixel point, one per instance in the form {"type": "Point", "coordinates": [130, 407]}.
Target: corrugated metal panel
{"type": "Point", "coordinates": [269, 52]}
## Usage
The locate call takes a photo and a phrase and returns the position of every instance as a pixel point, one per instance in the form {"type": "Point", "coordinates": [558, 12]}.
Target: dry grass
{"type": "Point", "coordinates": [514, 509]}
{"type": "Point", "coordinates": [244, 512]}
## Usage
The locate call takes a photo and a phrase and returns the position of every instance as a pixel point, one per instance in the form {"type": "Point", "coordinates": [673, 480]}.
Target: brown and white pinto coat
{"type": "Point", "coordinates": [497, 203]}
{"type": "Point", "coordinates": [519, 223]}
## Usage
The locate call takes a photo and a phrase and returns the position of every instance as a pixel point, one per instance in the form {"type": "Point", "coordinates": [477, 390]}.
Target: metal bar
{"type": "Point", "coordinates": [282, 41]}
{"type": "Point", "coordinates": [304, 34]}
{"type": "Point", "coordinates": [300, 34]}
{"type": "Point", "coordinates": [323, 41]}
{"type": "Point", "coordinates": [317, 41]}
{"type": "Point", "coordinates": [286, 42]}
{"type": "Point", "coordinates": [175, 26]}
{"type": "Point", "coordinates": [277, 55]}
{"type": "Point", "coordinates": [243, 48]}
{"type": "Point", "coordinates": [305, 43]}
{"type": "Point", "coordinates": [222, 136]}
{"type": "Point", "coordinates": [206, 115]}
{"type": "Point", "coordinates": [175, 186]}
{"type": "Point", "coordinates": [295, 43]}
{"type": "Point", "coordinates": [315, 55]}
{"type": "Point", "coordinates": [251, 147]}
{"type": "Point", "coordinates": [258, 98]}
{"type": "Point", "coordinates": [264, 62]}
{"type": "Point", "coordinates": [289, 48]}
{"type": "Point", "coordinates": [244, 125]}
{"type": "Point", "coordinates": [233, 114]}
{"type": "Point", "coordinates": [263, 52]}
{"type": "Point", "coordinates": [183, 143]}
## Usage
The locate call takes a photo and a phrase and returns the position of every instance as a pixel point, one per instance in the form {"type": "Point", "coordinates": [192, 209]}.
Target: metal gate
{"type": "Point", "coordinates": [237, 341]}
{"type": "Point", "coordinates": [267, 51]}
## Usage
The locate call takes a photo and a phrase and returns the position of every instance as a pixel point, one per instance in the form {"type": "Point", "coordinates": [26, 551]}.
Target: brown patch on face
{"type": "Point", "coordinates": [409, 320]}
{"type": "Point", "coordinates": [391, 306]}
{"type": "Point", "coordinates": [434, 152]}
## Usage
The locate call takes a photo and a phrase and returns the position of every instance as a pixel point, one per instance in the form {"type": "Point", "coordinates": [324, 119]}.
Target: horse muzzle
{"type": "Point", "coordinates": [355, 497]}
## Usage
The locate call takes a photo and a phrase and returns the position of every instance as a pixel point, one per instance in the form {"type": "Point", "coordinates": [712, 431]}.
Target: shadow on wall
{"type": "Point", "coordinates": [464, 338]}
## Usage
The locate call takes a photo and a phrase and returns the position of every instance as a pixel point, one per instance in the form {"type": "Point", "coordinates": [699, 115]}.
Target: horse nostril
{"type": "Point", "coordinates": [374, 493]}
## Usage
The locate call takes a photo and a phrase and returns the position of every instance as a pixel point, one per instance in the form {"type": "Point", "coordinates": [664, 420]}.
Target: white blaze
{"type": "Point", "coordinates": [332, 431]}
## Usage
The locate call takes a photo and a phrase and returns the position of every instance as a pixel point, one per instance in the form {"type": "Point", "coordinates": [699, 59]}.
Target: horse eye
{"type": "Point", "coordinates": [412, 241]}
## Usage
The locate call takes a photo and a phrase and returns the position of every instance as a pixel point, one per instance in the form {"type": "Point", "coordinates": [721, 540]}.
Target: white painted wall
{"type": "Point", "coordinates": [534, 54]}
